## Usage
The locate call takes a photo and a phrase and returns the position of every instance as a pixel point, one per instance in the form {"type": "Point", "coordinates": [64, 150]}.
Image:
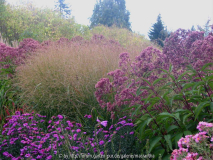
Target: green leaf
{"type": "Point", "coordinates": [147, 81]}
{"type": "Point", "coordinates": [192, 69]}
{"type": "Point", "coordinates": [138, 92]}
{"type": "Point", "coordinates": [188, 85]}
{"type": "Point", "coordinates": [136, 110]}
{"type": "Point", "coordinates": [150, 107]}
{"type": "Point", "coordinates": [153, 143]}
{"type": "Point", "coordinates": [177, 115]}
{"type": "Point", "coordinates": [197, 84]}
{"type": "Point", "coordinates": [142, 127]}
{"type": "Point", "coordinates": [172, 127]}
{"type": "Point", "coordinates": [166, 114]}
{"type": "Point", "coordinates": [200, 107]}
{"type": "Point", "coordinates": [168, 140]}
{"type": "Point", "coordinates": [128, 108]}
{"type": "Point", "coordinates": [186, 116]}
{"type": "Point", "coordinates": [176, 97]}
{"type": "Point", "coordinates": [157, 152]}
{"type": "Point", "coordinates": [157, 80]}
{"type": "Point", "coordinates": [170, 68]}
{"type": "Point", "coordinates": [179, 78]}
{"type": "Point", "coordinates": [177, 137]}
{"type": "Point", "coordinates": [172, 77]}
{"type": "Point", "coordinates": [166, 157]}
{"type": "Point", "coordinates": [149, 120]}
{"type": "Point", "coordinates": [164, 71]}
{"type": "Point", "coordinates": [180, 110]}
{"type": "Point", "coordinates": [205, 65]}
{"type": "Point", "coordinates": [148, 98]}
{"type": "Point", "coordinates": [211, 106]}
{"type": "Point", "coordinates": [210, 120]}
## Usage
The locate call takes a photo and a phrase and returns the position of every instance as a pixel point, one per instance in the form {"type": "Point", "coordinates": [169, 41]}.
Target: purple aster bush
{"type": "Point", "coordinates": [24, 137]}
{"type": "Point", "coordinates": [117, 138]}
{"type": "Point", "coordinates": [198, 146]}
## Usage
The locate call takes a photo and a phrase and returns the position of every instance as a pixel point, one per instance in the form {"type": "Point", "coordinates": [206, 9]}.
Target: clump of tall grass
{"type": "Point", "coordinates": [64, 74]}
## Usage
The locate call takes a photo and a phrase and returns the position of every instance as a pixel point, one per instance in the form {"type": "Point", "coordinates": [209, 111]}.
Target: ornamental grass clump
{"type": "Point", "coordinates": [198, 146]}
{"type": "Point", "coordinates": [60, 79]}
{"type": "Point", "coordinates": [25, 136]}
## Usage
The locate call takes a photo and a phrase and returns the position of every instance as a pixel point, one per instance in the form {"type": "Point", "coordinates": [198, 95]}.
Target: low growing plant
{"type": "Point", "coordinates": [25, 136]}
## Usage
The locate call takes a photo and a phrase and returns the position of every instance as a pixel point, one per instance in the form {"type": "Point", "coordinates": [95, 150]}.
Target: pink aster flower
{"type": "Point", "coordinates": [101, 142]}
{"type": "Point", "coordinates": [60, 116]}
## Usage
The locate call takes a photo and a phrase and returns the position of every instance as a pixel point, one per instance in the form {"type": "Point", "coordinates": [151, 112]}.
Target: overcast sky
{"type": "Point", "coordinates": [143, 13]}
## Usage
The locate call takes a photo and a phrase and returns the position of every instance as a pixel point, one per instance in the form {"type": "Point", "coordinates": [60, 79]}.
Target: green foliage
{"type": "Point", "coordinates": [8, 95]}
{"type": "Point", "coordinates": [4, 15]}
{"type": "Point", "coordinates": [132, 42]}
{"type": "Point", "coordinates": [183, 102]}
{"type": "Point", "coordinates": [158, 33]}
{"type": "Point", "coordinates": [109, 13]}
{"type": "Point", "coordinates": [27, 21]}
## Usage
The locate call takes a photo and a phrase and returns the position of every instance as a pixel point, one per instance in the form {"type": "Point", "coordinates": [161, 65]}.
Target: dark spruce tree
{"type": "Point", "coordinates": [63, 8]}
{"type": "Point", "coordinates": [158, 33]}
{"type": "Point", "coordinates": [109, 13]}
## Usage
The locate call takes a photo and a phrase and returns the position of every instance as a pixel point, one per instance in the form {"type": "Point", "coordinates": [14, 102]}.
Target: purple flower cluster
{"type": "Point", "coordinates": [25, 135]}
{"type": "Point", "coordinates": [191, 145]}
{"type": "Point", "coordinates": [17, 55]}
{"type": "Point", "coordinates": [126, 81]}
{"type": "Point", "coordinates": [122, 89]}
{"type": "Point", "coordinates": [184, 47]}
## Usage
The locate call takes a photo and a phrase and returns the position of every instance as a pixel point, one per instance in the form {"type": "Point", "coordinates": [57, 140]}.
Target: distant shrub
{"type": "Point", "coordinates": [133, 42]}
{"type": "Point", "coordinates": [27, 21]}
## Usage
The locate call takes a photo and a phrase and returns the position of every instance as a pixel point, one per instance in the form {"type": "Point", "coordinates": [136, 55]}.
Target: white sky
{"type": "Point", "coordinates": [143, 13]}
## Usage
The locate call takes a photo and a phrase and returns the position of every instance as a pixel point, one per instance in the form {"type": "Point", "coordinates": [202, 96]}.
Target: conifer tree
{"type": "Point", "coordinates": [63, 8]}
{"type": "Point", "coordinates": [158, 33]}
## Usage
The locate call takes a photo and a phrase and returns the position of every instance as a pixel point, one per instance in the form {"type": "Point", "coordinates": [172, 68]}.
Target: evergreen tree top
{"type": "Point", "coordinates": [109, 13]}
{"type": "Point", "coordinates": [158, 33]}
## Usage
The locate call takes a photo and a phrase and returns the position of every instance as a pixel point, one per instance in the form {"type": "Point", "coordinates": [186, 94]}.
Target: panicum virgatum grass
{"type": "Point", "coordinates": [65, 73]}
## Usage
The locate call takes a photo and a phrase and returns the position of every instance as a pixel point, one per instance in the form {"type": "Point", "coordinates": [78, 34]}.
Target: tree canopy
{"type": "Point", "coordinates": [109, 13]}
